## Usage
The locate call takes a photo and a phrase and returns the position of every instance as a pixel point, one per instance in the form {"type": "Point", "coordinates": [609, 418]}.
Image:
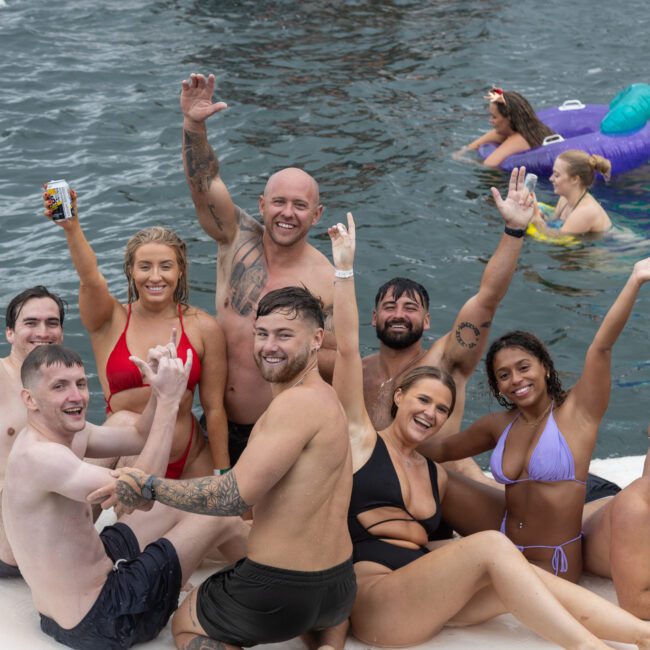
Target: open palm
{"type": "Point", "coordinates": [196, 97]}
{"type": "Point", "coordinates": [517, 208]}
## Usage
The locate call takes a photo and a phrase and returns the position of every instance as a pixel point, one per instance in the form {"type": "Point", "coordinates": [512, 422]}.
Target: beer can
{"type": "Point", "coordinates": [62, 206]}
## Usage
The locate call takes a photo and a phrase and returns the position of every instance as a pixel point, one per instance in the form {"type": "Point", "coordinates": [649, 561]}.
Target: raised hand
{"type": "Point", "coordinates": [196, 98]}
{"type": "Point", "coordinates": [155, 354]}
{"type": "Point", "coordinates": [48, 200]}
{"type": "Point", "coordinates": [170, 380]}
{"type": "Point", "coordinates": [517, 208]}
{"type": "Point", "coordinates": [343, 244]}
{"type": "Point", "coordinates": [642, 270]}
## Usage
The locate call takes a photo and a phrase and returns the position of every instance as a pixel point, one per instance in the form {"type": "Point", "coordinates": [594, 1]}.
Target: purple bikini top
{"type": "Point", "coordinates": [550, 461]}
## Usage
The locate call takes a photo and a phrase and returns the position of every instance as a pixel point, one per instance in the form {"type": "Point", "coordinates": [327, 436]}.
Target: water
{"type": "Point", "coordinates": [371, 98]}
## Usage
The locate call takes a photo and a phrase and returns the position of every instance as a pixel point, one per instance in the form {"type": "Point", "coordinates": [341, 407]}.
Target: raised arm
{"type": "Point", "coordinates": [466, 342]}
{"type": "Point", "coordinates": [151, 436]}
{"type": "Point", "coordinates": [590, 395]}
{"type": "Point", "coordinates": [511, 145]}
{"type": "Point", "coordinates": [214, 207]}
{"type": "Point", "coordinates": [478, 437]}
{"type": "Point", "coordinates": [96, 304]}
{"type": "Point", "coordinates": [348, 370]}
{"type": "Point", "coordinates": [490, 136]}
{"type": "Point", "coordinates": [212, 388]}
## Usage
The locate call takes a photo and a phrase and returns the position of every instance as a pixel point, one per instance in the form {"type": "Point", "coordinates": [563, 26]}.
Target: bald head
{"type": "Point", "coordinates": [295, 179]}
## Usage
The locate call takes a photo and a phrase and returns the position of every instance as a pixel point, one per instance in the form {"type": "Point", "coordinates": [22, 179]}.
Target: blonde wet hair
{"type": "Point", "coordinates": [584, 166]}
{"type": "Point", "coordinates": [166, 237]}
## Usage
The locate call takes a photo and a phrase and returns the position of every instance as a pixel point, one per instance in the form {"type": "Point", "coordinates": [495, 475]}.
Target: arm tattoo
{"type": "Point", "coordinates": [201, 164]}
{"type": "Point", "coordinates": [203, 643]}
{"type": "Point", "coordinates": [210, 495]}
{"type": "Point", "coordinates": [486, 325]}
{"type": "Point", "coordinates": [249, 275]}
{"type": "Point", "coordinates": [215, 217]}
{"type": "Point", "coordinates": [462, 333]}
{"type": "Point", "coordinates": [128, 496]}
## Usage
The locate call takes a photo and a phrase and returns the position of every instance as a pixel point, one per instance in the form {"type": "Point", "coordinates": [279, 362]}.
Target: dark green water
{"type": "Point", "coordinates": [369, 97]}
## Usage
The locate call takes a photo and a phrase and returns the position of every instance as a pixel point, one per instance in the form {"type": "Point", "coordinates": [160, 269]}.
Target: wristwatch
{"type": "Point", "coordinates": [147, 491]}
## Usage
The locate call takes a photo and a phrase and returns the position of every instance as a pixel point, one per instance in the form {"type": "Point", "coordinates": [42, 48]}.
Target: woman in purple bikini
{"type": "Point", "coordinates": [542, 441]}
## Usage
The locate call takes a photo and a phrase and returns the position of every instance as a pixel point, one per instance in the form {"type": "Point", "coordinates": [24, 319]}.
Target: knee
{"type": "Point", "coordinates": [493, 544]}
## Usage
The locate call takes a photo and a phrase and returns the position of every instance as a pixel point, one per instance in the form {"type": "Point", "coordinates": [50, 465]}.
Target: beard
{"type": "Point", "coordinates": [398, 340]}
{"type": "Point", "coordinates": [285, 372]}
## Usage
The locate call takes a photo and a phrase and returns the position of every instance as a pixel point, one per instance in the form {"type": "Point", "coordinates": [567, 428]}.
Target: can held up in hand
{"type": "Point", "coordinates": [62, 203]}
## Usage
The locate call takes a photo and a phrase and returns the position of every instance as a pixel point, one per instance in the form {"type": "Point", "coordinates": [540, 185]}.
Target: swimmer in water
{"type": "Point", "coordinates": [515, 127]}
{"type": "Point", "coordinates": [574, 172]}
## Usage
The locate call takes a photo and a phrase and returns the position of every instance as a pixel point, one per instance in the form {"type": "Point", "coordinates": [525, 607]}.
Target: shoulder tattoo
{"type": "Point", "coordinates": [249, 274]}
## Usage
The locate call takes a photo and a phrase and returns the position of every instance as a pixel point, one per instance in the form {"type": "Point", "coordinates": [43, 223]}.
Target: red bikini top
{"type": "Point", "coordinates": [123, 374]}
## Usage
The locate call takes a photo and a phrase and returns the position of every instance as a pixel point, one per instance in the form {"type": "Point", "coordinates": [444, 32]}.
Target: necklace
{"type": "Point", "coordinates": [532, 425]}
{"type": "Point", "coordinates": [304, 374]}
{"type": "Point", "coordinates": [401, 371]}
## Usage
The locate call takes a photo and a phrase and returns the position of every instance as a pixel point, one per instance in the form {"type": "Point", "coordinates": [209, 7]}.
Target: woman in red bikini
{"type": "Point", "coordinates": [155, 266]}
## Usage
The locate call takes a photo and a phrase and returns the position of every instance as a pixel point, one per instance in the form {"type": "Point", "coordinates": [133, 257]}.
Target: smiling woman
{"type": "Point", "coordinates": [542, 441]}
{"type": "Point", "coordinates": [155, 266]}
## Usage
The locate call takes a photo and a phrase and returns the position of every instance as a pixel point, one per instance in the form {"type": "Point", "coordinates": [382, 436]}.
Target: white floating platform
{"type": "Point", "coordinates": [19, 624]}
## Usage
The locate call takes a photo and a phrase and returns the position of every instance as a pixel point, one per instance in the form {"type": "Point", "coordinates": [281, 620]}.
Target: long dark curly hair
{"type": "Point", "coordinates": [523, 118]}
{"type": "Point", "coordinates": [530, 343]}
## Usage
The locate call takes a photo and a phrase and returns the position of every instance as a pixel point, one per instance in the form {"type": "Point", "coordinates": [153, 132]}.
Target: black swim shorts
{"type": "Point", "coordinates": [238, 435]}
{"type": "Point", "coordinates": [140, 594]}
{"type": "Point", "coordinates": [250, 603]}
{"type": "Point", "coordinates": [598, 487]}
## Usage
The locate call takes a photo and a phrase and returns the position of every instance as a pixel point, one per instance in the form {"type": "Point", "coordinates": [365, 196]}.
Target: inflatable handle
{"type": "Point", "coordinates": [550, 139]}
{"type": "Point", "coordinates": [571, 105]}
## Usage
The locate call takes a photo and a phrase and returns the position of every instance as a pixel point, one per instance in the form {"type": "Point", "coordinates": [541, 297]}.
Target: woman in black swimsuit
{"type": "Point", "coordinates": [395, 510]}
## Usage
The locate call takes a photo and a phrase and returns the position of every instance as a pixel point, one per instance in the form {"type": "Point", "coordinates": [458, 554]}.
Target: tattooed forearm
{"type": "Point", "coordinates": [203, 643]}
{"type": "Point", "coordinates": [464, 336]}
{"type": "Point", "coordinates": [201, 165]}
{"type": "Point", "coordinates": [128, 496]}
{"type": "Point", "coordinates": [210, 495]}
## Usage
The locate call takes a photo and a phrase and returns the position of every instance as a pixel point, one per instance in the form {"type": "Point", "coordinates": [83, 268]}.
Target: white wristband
{"type": "Point", "coordinates": [338, 273]}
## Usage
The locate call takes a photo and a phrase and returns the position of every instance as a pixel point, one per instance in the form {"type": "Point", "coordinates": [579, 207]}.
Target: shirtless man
{"type": "Point", "coordinates": [97, 590]}
{"type": "Point", "coordinates": [615, 543]}
{"type": "Point", "coordinates": [253, 258]}
{"type": "Point", "coordinates": [296, 472]}
{"type": "Point", "coordinates": [34, 317]}
{"type": "Point", "coordinates": [401, 315]}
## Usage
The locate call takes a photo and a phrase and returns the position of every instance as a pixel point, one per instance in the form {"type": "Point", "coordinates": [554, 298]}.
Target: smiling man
{"type": "Point", "coordinates": [34, 317]}
{"type": "Point", "coordinates": [117, 587]}
{"type": "Point", "coordinates": [296, 473]}
{"type": "Point", "coordinates": [401, 316]}
{"type": "Point", "coordinates": [253, 258]}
